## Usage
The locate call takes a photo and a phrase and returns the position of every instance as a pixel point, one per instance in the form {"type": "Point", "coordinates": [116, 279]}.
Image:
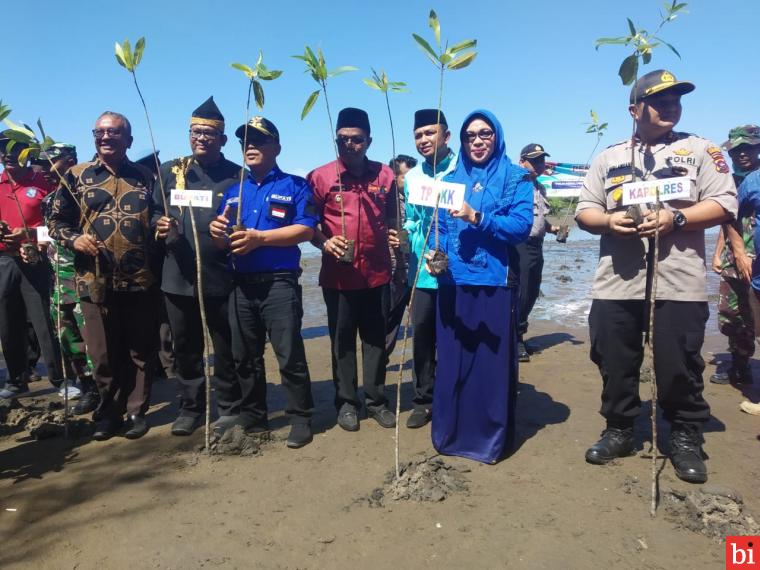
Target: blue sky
{"type": "Point", "coordinates": [537, 69]}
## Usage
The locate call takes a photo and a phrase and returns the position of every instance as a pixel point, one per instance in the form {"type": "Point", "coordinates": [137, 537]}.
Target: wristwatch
{"type": "Point", "coordinates": [679, 220]}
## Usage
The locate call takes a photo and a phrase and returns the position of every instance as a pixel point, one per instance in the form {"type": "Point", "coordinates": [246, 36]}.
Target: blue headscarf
{"type": "Point", "coordinates": [496, 171]}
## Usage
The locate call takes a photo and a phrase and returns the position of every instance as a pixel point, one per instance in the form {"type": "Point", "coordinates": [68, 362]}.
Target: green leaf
{"type": "Point", "coordinates": [312, 58]}
{"type": "Point", "coordinates": [427, 49]}
{"type": "Point", "coordinates": [341, 69]}
{"type": "Point", "coordinates": [18, 129]}
{"type": "Point", "coordinates": [260, 59]}
{"type": "Point", "coordinates": [591, 129]}
{"type": "Point", "coordinates": [446, 57]}
{"type": "Point", "coordinates": [466, 44]}
{"type": "Point", "coordinates": [9, 145]}
{"type": "Point", "coordinates": [610, 41]}
{"type": "Point", "coordinates": [435, 25]}
{"type": "Point", "coordinates": [631, 27]}
{"type": "Point", "coordinates": [594, 117]}
{"type": "Point", "coordinates": [139, 48]}
{"type": "Point", "coordinates": [23, 156]}
{"type": "Point", "coordinates": [119, 51]}
{"type": "Point", "coordinates": [628, 69]}
{"type": "Point", "coordinates": [646, 56]}
{"type": "Point", "coordinates": [46, 143]}
{"type": "Point", "coordinates": [40, 127]}
{"type": "Point", "coordinates": [372, 84]}
{"type": "Point", "coordinates": [244, 68]}
{"type": "Point", "coordinates": [673, 49]}
{"type": "Point", "coordinates": [602, 126]}
{"type": "Point", "coordinates": [463, 60]}
{"type": "Point", "coordinates": [309, 104]}
{"type": "Point", "coordinates": [270, 75]}
{"type": "Point", "coordinates": [258, 94]}
{"type": "Point", "coordinates": [128, 56]}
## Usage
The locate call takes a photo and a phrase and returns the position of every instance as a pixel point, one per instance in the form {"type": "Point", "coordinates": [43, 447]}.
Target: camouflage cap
{"type": "Point", "coordinates": [746, 134]}
{"type": "Point", "coordinates": [57, 150]}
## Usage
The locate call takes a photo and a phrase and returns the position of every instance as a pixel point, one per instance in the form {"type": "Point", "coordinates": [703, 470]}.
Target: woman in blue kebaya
{"type": "Point", "coordinates": [476, 376]}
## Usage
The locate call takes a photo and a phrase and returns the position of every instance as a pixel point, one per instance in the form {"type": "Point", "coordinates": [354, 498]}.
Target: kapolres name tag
{"type": "Point", "coordinates": [646, 192]}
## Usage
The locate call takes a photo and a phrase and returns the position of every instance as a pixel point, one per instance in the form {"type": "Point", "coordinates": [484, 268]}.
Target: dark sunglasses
{"type": "Point", "coordinates": [355, 139]}
{"type": "Point", "coordinates": [483, 134]}
{"type": "Point", "coordinates": [100, 133]}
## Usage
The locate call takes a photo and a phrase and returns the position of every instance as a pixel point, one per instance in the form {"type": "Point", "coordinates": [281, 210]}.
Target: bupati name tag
{"type": "Point", "coordinates": [648, 191]}
{"type": "Point", "coordinates": [195, 198]}
{"type": "Point", "coordinates": [425, 192]}
{"type": "Point", "coordinates": [42, 234]}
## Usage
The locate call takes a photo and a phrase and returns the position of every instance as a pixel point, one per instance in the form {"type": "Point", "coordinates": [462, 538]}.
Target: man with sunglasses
{"type": "Point", "coordinates": [697, 192]}
{"type": "Point", "coordinates": [356, 201]}
{"type": "Point", "coordinates": [24, 283]}
{"type": "Point", "coordinates": [531, 251]}
{"type": "Point", "coordinates": [106, 220]}
{"type": "Point", "coordinates": [277, 213]}
{"type": "Point", "coordinates": [209, 173]}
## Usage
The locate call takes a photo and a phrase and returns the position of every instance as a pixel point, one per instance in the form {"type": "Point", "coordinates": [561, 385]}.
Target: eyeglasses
{"type": "Point", "coordinates": [209, 135]}
{"type": "Point", "coordinates": [113, 133]}
{"type": "Point", "coordinates": [483, 134]}
{"type": "Point", "coordinates": [355, 139]}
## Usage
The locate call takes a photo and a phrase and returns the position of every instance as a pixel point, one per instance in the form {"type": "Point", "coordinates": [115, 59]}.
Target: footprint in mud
{"type": "Point", "coordinates": [564, 278]}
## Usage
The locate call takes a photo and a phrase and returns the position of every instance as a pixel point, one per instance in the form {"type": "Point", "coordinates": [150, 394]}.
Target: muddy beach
{"type": "Point", "coordinates": [160, 503]}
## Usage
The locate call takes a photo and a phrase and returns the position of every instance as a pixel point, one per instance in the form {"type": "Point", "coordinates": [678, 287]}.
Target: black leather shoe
{"type": "Point", "coordinates": [185, 425]}
{"type": "Point", "coordinates": [687, 456]}
{"type": "Point", "coordinates": [86, 404]}
{"type": "Point", "coordinates": [383, 416]}
{"type": "Point", "coordinates": [522, 352]}
{"type": "Point", "coordinates": [300, 435]}
{"type": "Point", "coordinates": [614, 443]}
{"type": "Point", "coordinates": [348, 419]}
{"type": "Point", "coordinates": [107, 428]}
{"type": "Point", "coordinates": [419, 418]}
{"type": "Point", "coordinates": [137, 427]}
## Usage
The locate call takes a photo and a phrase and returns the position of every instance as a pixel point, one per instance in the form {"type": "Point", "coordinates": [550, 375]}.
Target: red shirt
{"type": "Point", "coordinates": [369, 204]}
{"type": "Point", "coordinates": [29, 190]}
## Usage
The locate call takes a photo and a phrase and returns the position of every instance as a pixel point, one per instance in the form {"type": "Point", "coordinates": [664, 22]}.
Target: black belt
{"type": "Point", "coordinates": [256, 278]}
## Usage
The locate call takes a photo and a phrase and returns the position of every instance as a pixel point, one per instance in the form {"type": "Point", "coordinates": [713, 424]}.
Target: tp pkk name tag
{"type": "Point", "coordinates": [195, 198]}
{"type": "Point", "coordinates": [646, 191]}
{"type": "Point", "coordinates": [42, 234]}
{"type": "Point", "coordinates": [425, 192]}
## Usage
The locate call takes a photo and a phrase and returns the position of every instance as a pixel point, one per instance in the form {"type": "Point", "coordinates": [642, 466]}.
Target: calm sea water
{"type": "Point", "coordinates": [563, 301]}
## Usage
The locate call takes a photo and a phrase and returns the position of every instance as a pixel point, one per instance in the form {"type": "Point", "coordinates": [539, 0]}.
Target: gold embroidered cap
{"type": "Point", "coordinates": [208, 114]}
{"type": "Point", "coordinates": [656, 82]}
{"type": "Point", "coordinates": [258, 128]}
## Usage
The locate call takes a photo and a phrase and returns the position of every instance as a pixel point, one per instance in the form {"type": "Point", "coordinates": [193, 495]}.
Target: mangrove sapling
{"type": "Point", "coordinates": [380, 82]}
{"type": "Point", "coordinates": [129, 60]}
{"type": "Point", "coordinates": [255, 75]}
{"type": "Point", "coordinates": [317, 68]}
{"type": "Point", "coordinates": [643, 44]}
{"type": "Point", "coordinates": [445, 58]}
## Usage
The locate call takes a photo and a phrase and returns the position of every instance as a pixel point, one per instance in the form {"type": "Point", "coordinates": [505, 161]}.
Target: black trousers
{"type": "Point", "coordinates": [531, 254]}
{"type": "Point", "coordinates": [617, 349]}
{"type": "Point", "coordinates": [364, 311]}
{"type": "Point", "coordinates": [25, 294]}
{"type": "Point", "coordinates": [399, 299]}
{"type": "Point", "coordinates": [185, 320]}
{"type": "Point", "coordinates": [423, 323]}
{"type": "Point", "coordinates": [256, 310]}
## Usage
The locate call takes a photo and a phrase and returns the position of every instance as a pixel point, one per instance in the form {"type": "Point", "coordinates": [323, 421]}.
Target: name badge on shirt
{"type": "Point", "coordinates": [42, 234]}
{"type": "Point", "coordinates": [195, 198]}
{"type": "Point", "coordinates": [425, 191]}
{"type": "Point", "coordinates": [646, 191]}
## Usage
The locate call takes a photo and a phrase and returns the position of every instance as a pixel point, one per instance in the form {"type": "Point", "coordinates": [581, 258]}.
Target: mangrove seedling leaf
{"type": "Point", "coordinates": [244, 68]}
{"type": "Point", "coordinates": [463, 60]}
{"type": "Point", "coordinates": [139, 48]}
{"type": "Point", "coordinates": [372, 84]}
{"type": "Point", "coordinates": [258, 94]}
{"type": "Point", "coordinates": [631, 27]}
{"type": "Point", "coordinates": [309, 104]}
{"type": "Point", "coordinates": [466, 44]}
{"type": "Point", "coordinates": [646, 56]}
{"type": "Point", "coordinates": [609, 41]}
{"type": "Point", "coordinates": [128, 55]}
{"type": "Point", "coordinates": [23, 156]}
{"type": "Point", "coordinates": [427, 49]}
{"type": "Point", "coordinates": [119, 52]}
{"type": "Point", "coordinates": [341, 69]}
{"type": "Point", "coordinates": [435, 25]}
{"type": "Point", "coordinates": [628, 69]}
{"type": "Point", "coordinates": [269, 75]}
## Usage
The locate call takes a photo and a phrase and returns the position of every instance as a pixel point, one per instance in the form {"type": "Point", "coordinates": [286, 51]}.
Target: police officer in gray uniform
{"type": "Point", "coordinates": [618, 311]}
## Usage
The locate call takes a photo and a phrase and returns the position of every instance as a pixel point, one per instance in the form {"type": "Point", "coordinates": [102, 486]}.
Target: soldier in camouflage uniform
{"type": "Point", "coordinates": [734, 313]}
{"type": "Point", "coordinates": [65, 310]}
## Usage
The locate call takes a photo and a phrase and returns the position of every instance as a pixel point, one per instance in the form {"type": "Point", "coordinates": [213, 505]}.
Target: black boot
{"type": "Point", "coordinates": [739, 372]}
{"type": "Point", "coordinates": [614, 443]}
{"type": "Point", "coordinates": [686, 454]}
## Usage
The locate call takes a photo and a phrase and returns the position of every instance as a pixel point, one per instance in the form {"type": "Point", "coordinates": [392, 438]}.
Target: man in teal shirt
{"type": "Point", "coordinates": [431, 137]}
